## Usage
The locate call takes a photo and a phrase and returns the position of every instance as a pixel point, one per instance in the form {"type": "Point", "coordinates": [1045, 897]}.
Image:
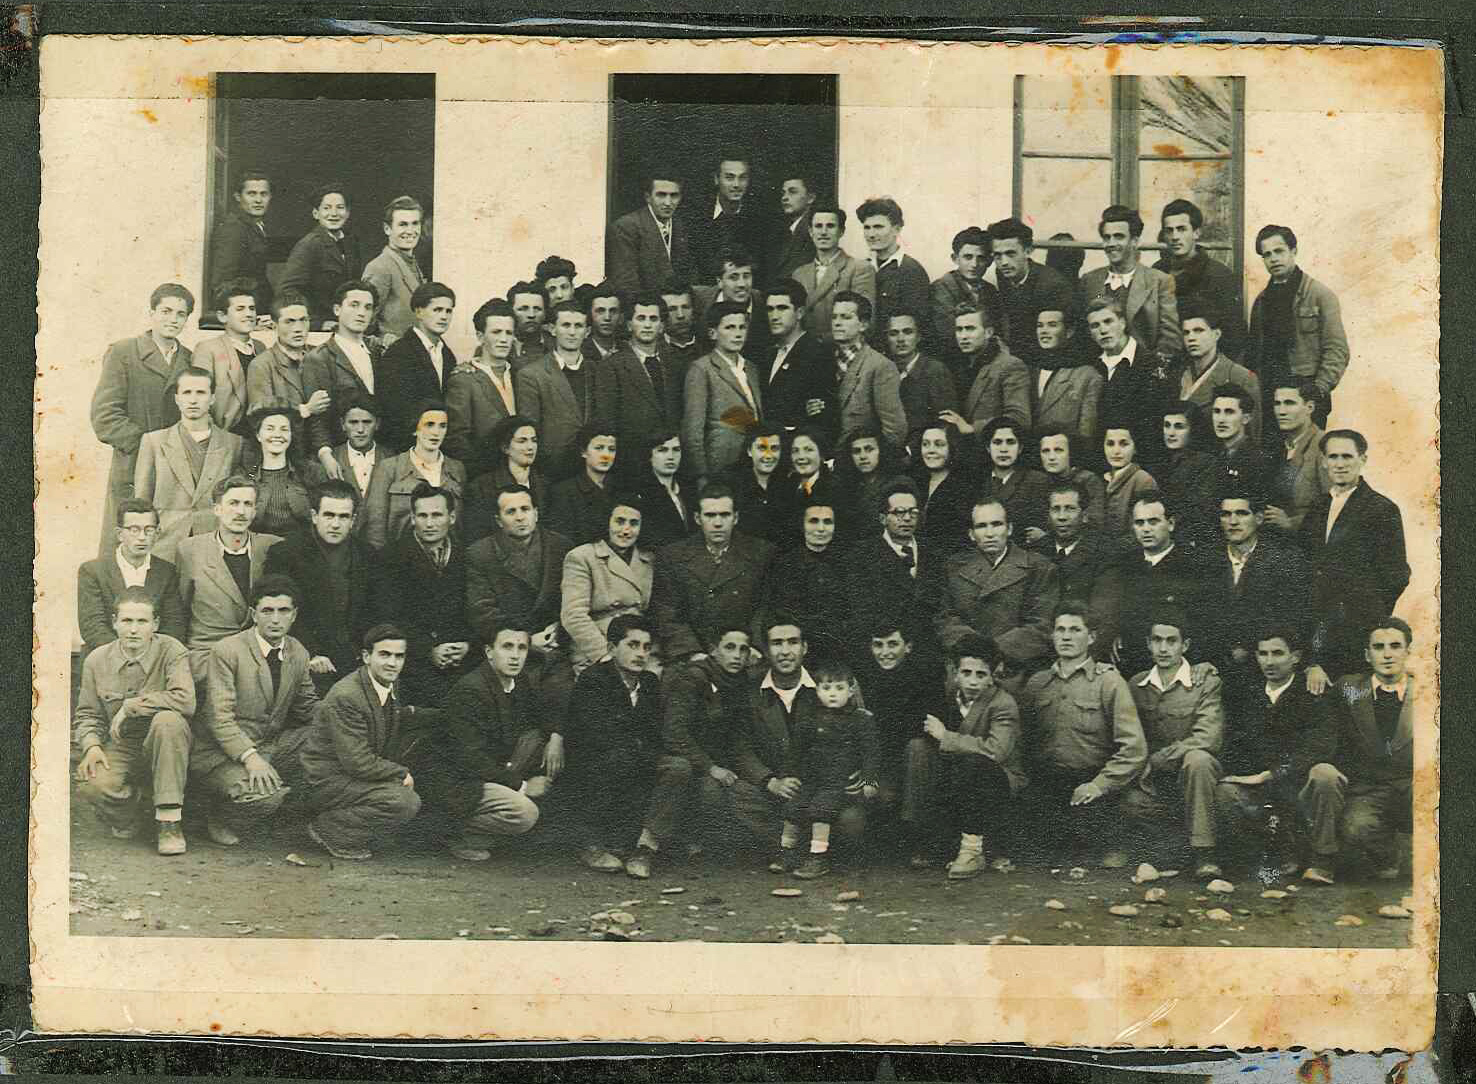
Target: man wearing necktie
{"type": "Point", "coordinates": [1366, 789]}
{"type": "Point", "coordinates": [1145, 294]}
{"type": "Point", "coordinates": [650, 385]}
{"type": "Point", "coordinates": [259, 706]}
{"type": "Point", "coordinates": [647, 246]}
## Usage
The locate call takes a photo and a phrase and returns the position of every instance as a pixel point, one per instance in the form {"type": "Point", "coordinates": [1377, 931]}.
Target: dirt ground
{"type": "Point", "coordinates": [534, 888]}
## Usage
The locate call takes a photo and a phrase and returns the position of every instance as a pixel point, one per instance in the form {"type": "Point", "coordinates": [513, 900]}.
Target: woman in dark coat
{"type": "Point", "coordinates": [669, 511]}
{"type": "Point", "coordinates": [516, 441]}
{"type": "Point", "coordinates": [865, 461]}
{"type": "Point", "coordinates": [1022, 490]}
{"type": "Point", "coordinates": [946, 486]}
{"type": "Point", "coordinates": [1188, 475]}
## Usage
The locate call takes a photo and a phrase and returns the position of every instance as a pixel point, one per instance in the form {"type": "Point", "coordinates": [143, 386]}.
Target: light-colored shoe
{"type": "Point", "coordinates": [171, 837]}
{"type": "Point", "coordinates": [1318, 875]}
{"type": "Point", "coordinates": [638, 866]}
{"type": "Point", "coordinates": [601, 860]}
{"type": "Point", "coordinates": [1114, 860]}
{"type": "Point", "coordinates": [220, 833]}
{"type": "Point", "coordinates": [344, 854]}
{"type": "Point", "coordinates": [968, 864]}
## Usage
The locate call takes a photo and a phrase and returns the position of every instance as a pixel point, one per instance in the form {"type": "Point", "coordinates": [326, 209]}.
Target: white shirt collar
{"type": "Point", "coordinates": [264, 647]}
{"type": "Point", "coordinates": [133, 577]}
{"type": "Point", "coordinates": [432, 347]}
{"type": "Point", "coordinates": [576, 366]}
{"type": "Point", "coordinates": [895, 257]}
{"type": "Point", "coordinates": [1154, 559]}
{"type": "Point", "coordinates": [1117, 281]}
{"type": "Point", "coordinates": [366, 455]}
{"type": "Point", "coordinates": [901, 548]}
{"type": "Point", "coordinates": [382, 691]}
{"type": "Point", "coordinates": [219, 541]}
{"type": "Point", "coordinates": [1182, 676]}
{"type": "Point", "coordinates": [1273, 694]}
{"type": "Point", "coordinates": [717, 207]}
{"type": "Point", "coordinates": [1128, 353]}
{"type": "Point", "coordinates": [805, 682]}
{"type": "Point", "coordinates": [1066, 549]}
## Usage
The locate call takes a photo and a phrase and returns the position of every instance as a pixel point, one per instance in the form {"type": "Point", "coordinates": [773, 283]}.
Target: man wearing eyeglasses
{"type": "Point", "coordinates": [892, 572]}
{"type": "Point", "coordinates": [132, 564]}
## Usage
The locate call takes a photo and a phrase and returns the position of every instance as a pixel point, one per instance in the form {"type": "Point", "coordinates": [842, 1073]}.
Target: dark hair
{"type": "Point", "coordinates": [974, 646]}
{"type": "Point", "coordinates": [555, 267]}
{"type": "Point", "coordinates": [512, 489]}
{"type": "Point", "coordinates": [171, 289]}
{"type": "Point", "coordinates": [983, 498]}
{"type": "Point", "coordinates": [884, 624]}
{"type": "Point", "coordinates": [624, 624]}
{"type": "Point", "coordinates": [1118, 213]}
{"type": "Point", "coordinates": [595, 427]}
{"type": "Point", "coordinates": [1169, 613]}
{"type": "Point", "coordinates": [1194, 414]}
{"type": "Point", "coordinates": [331, 188]}
{"type": "Point", "coordinates": [717, 312]}
{"type": "Point", "coordinates": [1067, 485]}
{"type": "Point", "coordinates": [1392, 622]}
{"type": "Point", "coordinates": [904, 310]}
{"type": "Point", "coordinates": [717, 490]}
{"type": "Point", "coordinates": [1068, 261]}
{"type": "Point", "coordinates": [627, 498]}
{"type": "Point", "coordinates": [1004, 421]}
{"type": "Point", "coordinates": [915, 438]}
{"type": "Point", "coordinates": [221, 299]}
{"type": "Point", "coordinates": [134, 596]}
{"type": "Point", "coordinates": [797, 294]}
{"type": "Point", "coordinates": [761, 427]}
{"type": "Point", "coordinates": [648, 299]}
{"type": "Point", "coordinates": [816, 434]}
{"type": "Point", "coordinates": [191, 370]}
{"type": "Point", "coordinates": [424, 491]}
{"type": "Point", "coordinates": [602, 290]}
{"type": "Point", "coordinates": [1295, 639]}
{"type": "Point", "coordinates": [503, 621]}
{"type": "Point", "coordinates": [1154, 496]}
{"type": "Point", "coordinates": [496, 306]}
{"type": "Point", "coordinates": [776, 618]}
{"type": "Point", "coordinates": [285, 299]}
{"type": "Point", "coordinates": [1359, 440]}
{"type": "Point", "coordinates": [1102, 302]}
{"type": "Point", "coordinates": [504, 431]}
{"type": "Point", "coordinates": [427, 292]}
{"type": "Point", "coordinates": [1012, 229]}
{"type": "Point", "coordinates": [833, 668]}
{"type": "Point", "coordinates": [523, 286]}
{"type": "Point", "coordinates": [385, 630]}
{"type": "Point", "coordinates": [400, 203]}
{"type": "Point", "coordinates": [230, 482]}
{"type": "Point", "coordinates": [1075, 607]}
{"type": "Point", "coordinates": [1246, 400]}
{"type": "Point", "coordinates": [133, 506]}
{"type": "Point", "coordinates": [569, 306]}
{"type": "Point", "coordinates": [332, 489]}
{"type": "Point", "coordinates": [1241, 487]}
{"type": "Point", "coordinates": [1265, 233]}
{"type": "Point", "coordinates": [971, 235]}
{"type": "Point", "coordinates": [421, 407]}
{"type": "Point", "coordinates": [270, 586]}
{"type": "Point", "coordinates": [864, 308]}
{"type": "Point", "coordinates": [886, 461]}
{"type": "Point", "coordinates": [659, 173]}
{"type": "Point", "coordinates": [732, 253]}
{"type": "Point", "coordinates": [970, 308]}
{"type": "Point", "coordinates": [358, 400]}
{"type": "Point", "coordinates": [895, 488]}
{"type": "Point", "coordinates": [829, 208]}
{"type": "Point", "coordinates": [1302, 385]}
{"type": "Point", "coordinates": [880, 205]}
{"type": "Point", "coordinates": [1210, 314]}
{"type": "Point", "coordinates": [353, 286]}
{"type": "Point", "coordinates": [249, 175]}
{"type": "Point", "coordinates": [1183, 207]}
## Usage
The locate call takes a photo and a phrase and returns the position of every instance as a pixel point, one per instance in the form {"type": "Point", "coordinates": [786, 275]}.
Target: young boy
{"type": "Point", "coordinates": [834, 754]}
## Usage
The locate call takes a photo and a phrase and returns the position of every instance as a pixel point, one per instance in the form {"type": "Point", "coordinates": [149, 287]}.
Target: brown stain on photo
{"type": "Point", "coordinates": [1168, 150]}
{"type": "Point", "coordinates": [148, 115]}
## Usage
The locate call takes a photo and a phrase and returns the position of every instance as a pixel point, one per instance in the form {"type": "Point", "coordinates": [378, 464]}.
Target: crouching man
{"type": "Point", "coordinates": [257, 712]}
{"type": "Point", "coordinates": [478, 774]}
{"type": "Point", "coordinates": [353, 761]}
{"type": "Point", "coordinates": [132, 724]}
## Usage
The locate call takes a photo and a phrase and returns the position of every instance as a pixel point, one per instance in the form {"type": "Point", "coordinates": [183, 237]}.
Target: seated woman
{"type": "Point", "coordinates": [603, 580]}
{"type": "Point", "coordinates": [282, 477]}
{"type": "Point", "coordinates": [865, 461]}
{"type": "Point", "coordinates": [669, 509]}
{"type": "Point", "coordinates": [387, 508]}
{"type": "Point", "coordinates": [1125, 480]}
{"type": "Point", "coordinates": [1057, 456]}
{"type": "Point", "coordinates": [808, 481]}
{"type": "Point", "coordinates": [1188, 474]}
{"type": "Point", "coordinates": [1022, 490]}
{"type": "Point", "coordinates": [515, 439]}
{"type": "Point", "coordinates": [945, 485]}
{"type": "Point", "coordinates": [807, 577]}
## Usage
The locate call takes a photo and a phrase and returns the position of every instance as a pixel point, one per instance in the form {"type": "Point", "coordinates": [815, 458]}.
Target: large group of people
{"type": "Point", "coordinates": [754, 540]}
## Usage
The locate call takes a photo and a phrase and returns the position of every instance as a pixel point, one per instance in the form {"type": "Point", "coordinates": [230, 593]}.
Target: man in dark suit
{"type": "Point", "coordinates": [730, 219]}
{"type": "Point", "coordinates": [618, 780]}
{"type": "Point", "coordinates": [417, 366]}
{"type": "Point", "coordinates": [420, 585]}
{"type": "Point", "coordinates": [1076, 549]}
{"type": "Point", "coordinates": [101, 580]}
{"type": "Point", "coordinates": [799, 377]}
{"type": "Point", "coordinates": [1366, 789]}
{"type": "Point", "coordinates": [1240, 456]}
{"type": "Point", "coordinates": [964, 285]}
{"type": "Point", "coordinates": [326, 256]}
{"type": "Point", "coordinates": [650, 384]}
{"type": "Point", "coordinates": [892, 572]}
{"type": "Point", "coordinates": [901, 282]}
{"type": "Point", "coordinates": [1025, 286]}
{"type": "Point", "coordinates": [1136, 383]}
{"type": "Point", "coordinates": [680, 339]}
{"type": "Point", "coordinates": [345, 365]}
{"type": "Point", "coordinates": [134, 394]}
{"type": "Point", "coordinates": [735, 276]}
{"type": "Point", "coordinates": [563, 391]}
{"type": "Point", "coordinates": [1145, 293]}
{"type": "Point", "coordinates": [709, 581]}
{"type": "Point", "coordinates": [1201, 281]}
{"type": "Point", "coordinates": [332, 569]}
{"type": "Point", "coordinates": [605, 308]}
{"type": "Point", "coordinates": [480, 393]}
{"type": "Point", "coordinates": [925, 384]}
{"type": "Point", "coordinates": [514, 575]}
{"type": "Point", "coordinates": [238, 244]}
{"type": "Point", "coordinates": [1354, 537]}
{"type": "Point", "coordinates": [277, 375]}
{"type": "Point", "coordinates": [355, 779]}
{"type": "Point", "coordinates": [790, 245]}
{"type": "Point", "coordinates": [647, 246]}
{"type": "Point", "coordinates": [256, 713]}
{"type": "Point", "coordinates": [533, 338]}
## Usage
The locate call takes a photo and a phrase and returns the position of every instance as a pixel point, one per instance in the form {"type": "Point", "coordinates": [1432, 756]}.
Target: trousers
{"type": "Point", "coordinates": [228, 784]}
{"type": "Point", "coordinates": [1188, 794]}
{"type": "Point", "coordinates": [502, 812]}
{"type": "Point", "coordinates": [155, 759]}
{"type": "Point", "coordinates": [623, 792]}
{"type": "Point", "coordinates": [1365, 815]}
{"type": "Point", "coordinates": [355, 813]}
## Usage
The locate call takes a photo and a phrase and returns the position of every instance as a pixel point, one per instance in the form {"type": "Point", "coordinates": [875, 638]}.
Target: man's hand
{"type": "Point", "coordinates": [933, 727]}
{"type": "Point", "coordinates": [1275, 517]}
{"type": "Point", "coordinates": [329, 464]}
{"type": "Point", "coordinates": [869, 791]}
{"type": "Point", "coordinates": [126, 710]}
{"type": "Point", "coordinates": [536, 786]}
{"type": "Point", "coordinates": [697, 656]}
{"type": "Point", "coordinates": [722, 775]}
{"type": "Point", "coordinates": [1317, 681]}
{"type": "Point", "coordinates": [265, 321]}
{"type": "Point", "coordinates": [553, 756]}
{"type": "Point", "coordinates": [1086, 794]}
{"type": "Point", "coordinates": [459, 649]}
{"type": "Point", "coordinates": [408, 781]}
{"type": "Point", "coordinates": [261, 777]}
{"type": "Point", "coordinates": [93, 759]}
{"type": "Point", "coordinates": [1034, 534]}
{"type": "Point", "coordinates": [1248, 780]}
{"type": "Point", "coordinates": [955, 419]}
{"type": "Point", "coordinates": [547, 638]}
{"type": "Point", "coordinates": [785, 788]}
{"type": "Point", "coordinates": [318, 402]}
{"type": "Point", "coordinates": [813, 407]}
{"type": "Point", "coordinates": [321, 664]}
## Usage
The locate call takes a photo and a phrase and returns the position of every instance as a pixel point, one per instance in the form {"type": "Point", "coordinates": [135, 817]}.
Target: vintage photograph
{"type": "Point", "coordinates": [727, 504]}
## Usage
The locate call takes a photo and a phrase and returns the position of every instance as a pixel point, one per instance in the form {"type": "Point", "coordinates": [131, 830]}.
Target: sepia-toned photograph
{"type": "Point", "coordinates": [753, 496]}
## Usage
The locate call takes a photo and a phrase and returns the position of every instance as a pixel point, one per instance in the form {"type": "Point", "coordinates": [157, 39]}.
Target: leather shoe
{"type": "Point", "coordinates": [171, 837]}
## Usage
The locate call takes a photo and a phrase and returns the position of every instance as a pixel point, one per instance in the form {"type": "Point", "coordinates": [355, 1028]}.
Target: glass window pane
{"type": "Point", "coordinates": [1205, 184]}
{"type": "Point", "coordinates": [1183, 115]}
{"type": "Point", "coordinates": [1072, 115]}
{"type": "Point", "coordinates": [1065, 196]}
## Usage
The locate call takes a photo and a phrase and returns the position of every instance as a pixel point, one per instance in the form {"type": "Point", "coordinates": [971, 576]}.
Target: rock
{"type": "Point", "coordinates": [245, 929]}
{"type": "Point", "coordinates": [1171, 921]}
{"type": "Point", "coordinates": [1076, 873]}
{"type": "Point", "coordinates": [1348, 920]}
{"type": "Point", "coordinates": [830, 939]}
{"type": "Point", "coordinates": [675, 890]}
{"type": "Point", "coordinates": [600, 916]}
{"type": "Point", "coordinates": [999, 939]}
{"type": "Point", "coordinates": [1055, 905]}
{"type": "Point", "coordinates": [1225, 943]}
{"type": "Point", "coordinates": [1123, 910]}
{"type": "Point", "coordinates": [1220, 887]}
{"type": "Point", "coordinates": [840, 908]}
{"type": "Point", "coordinates": [386, 937]}
{"type": "Point", "coordinates": [631, 903]}
{"type": "Point", "coordinates": [131, 915]}
{"type": "Point", "coordinates": [1002, 865]}
{"type": "Point", "coordinates": [156, 895]}
{"type": "Point", "coordinates": [890, 914]}
{"type": "Point", "coordinates": [1242, 910]}
{"type": "Point", "coordinates": [1273, 894]}
{"type": "Point", "coordinates": [1145, 873]}
{"type": "Point", "coordinates": [463, 933]}
{"type": "Point", "coordinates": [787, 893]}
{"type": "Point", "coordinates": [78, 875]}
{"type": "Point", "coordinates": [298, 860]}
{"type": "Point", "coordinates": [1155, 895]}
{"type": "Point", "coordinates": [1293, 888]}
{"type": "Point", "coordinates": [666, 903]}
{"type": "Point", "coordinates": [499, 929]}
{"type": "Point", "coordinates": [1018, 940]}
{"type": "Point", "coordinates": [711, 901]}
{"type": "Point", "coordinates": [614, 935]}
{"type": "Point", "coordinates": [1394, 911]}
{"type": "Point", "coordinates": [1167, 874]}
{"type": "Point", "coordinates": [623, 918]}
{"type": "Point", "coordinates": [74, 909]}
{"type": "Point", "coordinates": [1069, 925]}
{"type": "Point", "coordinates": [847, 897]}
{"type": "Point", "coordinates": [1217, 914]}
